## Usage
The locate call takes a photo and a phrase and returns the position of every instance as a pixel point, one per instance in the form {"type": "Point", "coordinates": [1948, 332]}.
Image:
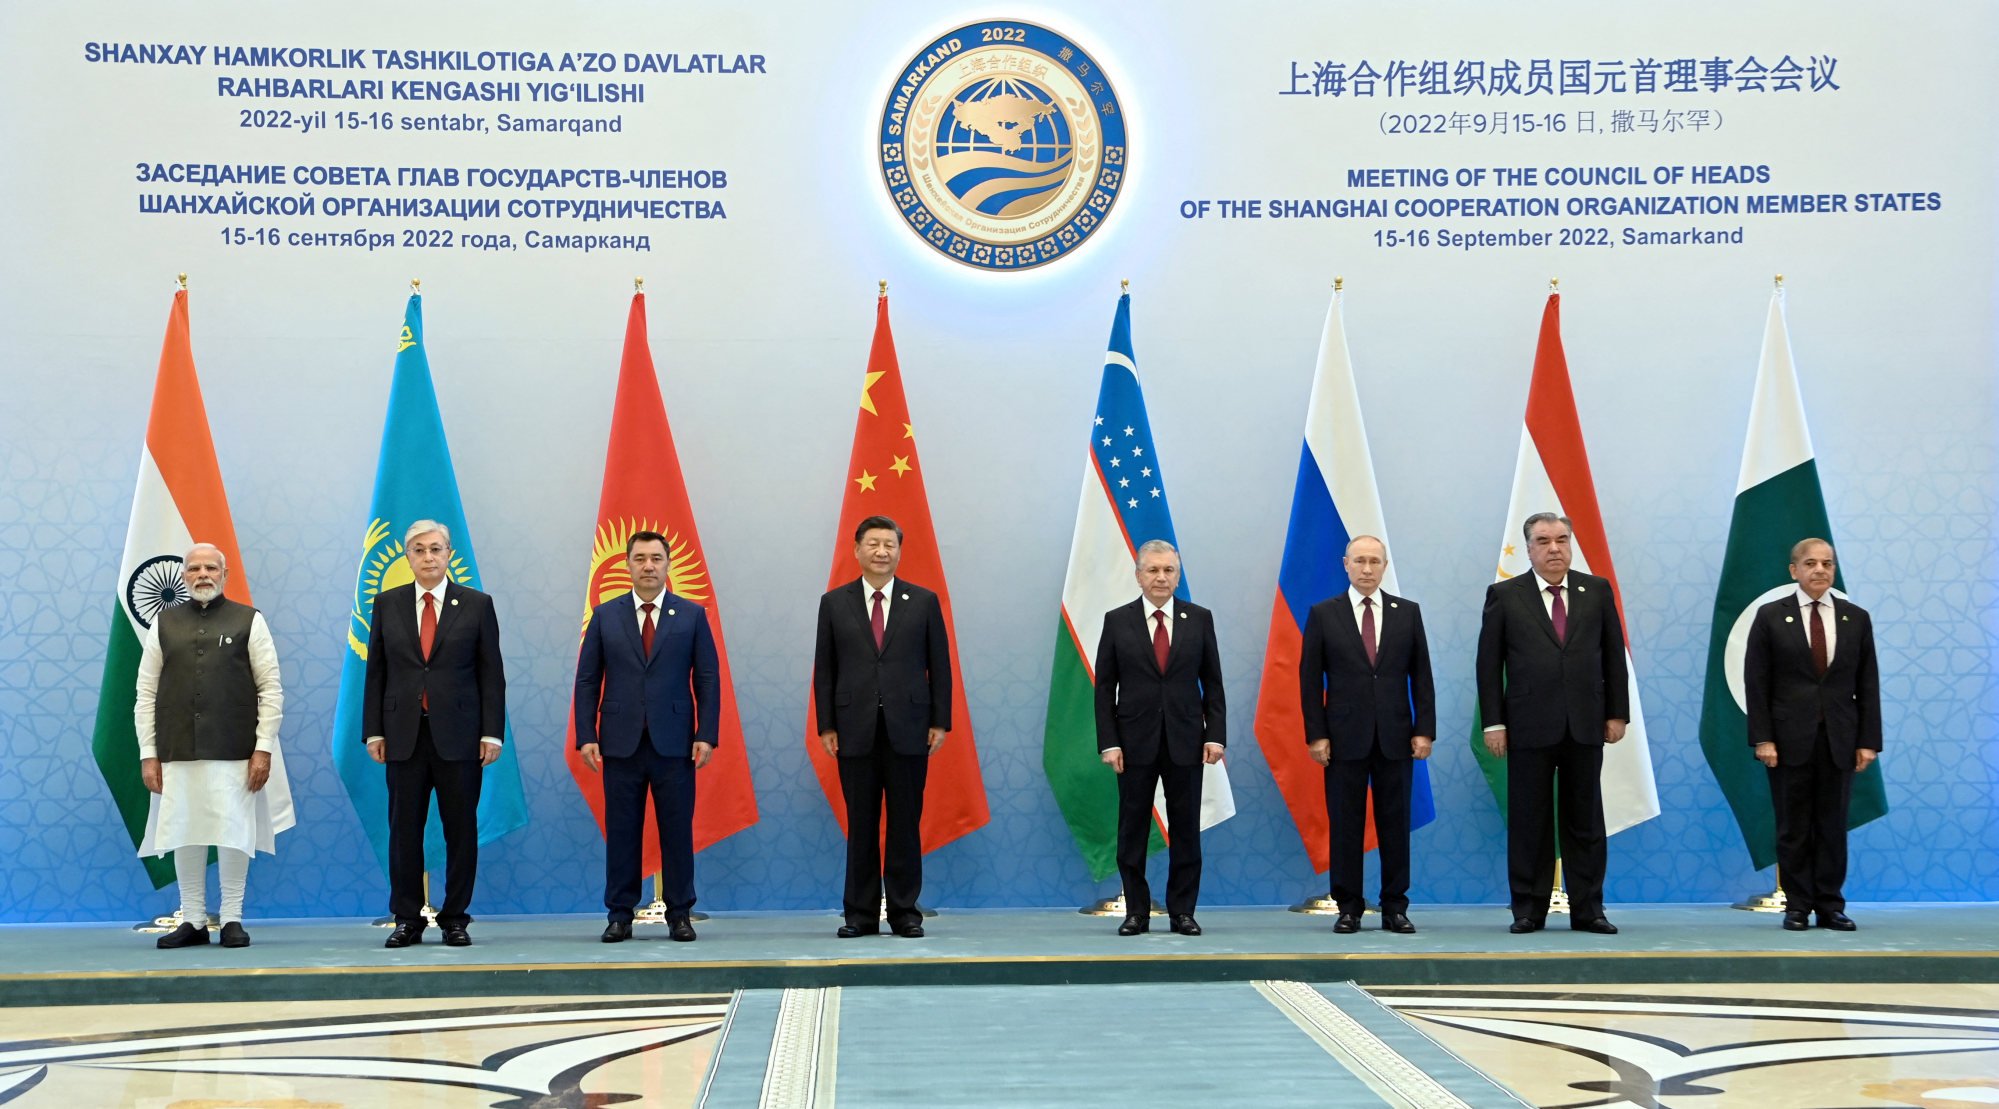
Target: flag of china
{"type": "Point", "coordinates": [884, 478]}
{"type": "Point", "coordinates": [643, 491]}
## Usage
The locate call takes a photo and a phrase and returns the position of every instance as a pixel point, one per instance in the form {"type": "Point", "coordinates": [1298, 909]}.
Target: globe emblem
{"type": "Point", "coordinates": [1004, 147]}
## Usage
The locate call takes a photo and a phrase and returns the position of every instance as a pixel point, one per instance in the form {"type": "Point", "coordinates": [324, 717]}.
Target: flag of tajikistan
{"type": "Point", "coordinates": [1551, 474]}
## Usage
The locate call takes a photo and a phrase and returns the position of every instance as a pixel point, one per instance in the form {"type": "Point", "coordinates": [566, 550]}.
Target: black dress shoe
{"type": "Point", "coordinates": [1183, 923]}
{"type": "Point", "coordinates": [1521, 926]}
{"type": "Point", "coordinates": [404, 936]}
{"type": "Point", "coordinates": [1347, 925]}
{"type": "Point", "coordinates": [1836, 920]}
{"type": "Point", "coordinates": [618, 931]}
{"type": "Point", "coordinates": [1397, 923]}
{"type": "Point", "coordinates": [1134, 925]}
{"type": "Point", "coordinates": [455, 935]}
{"type": "Point", "coordinates": [913, 930]}
{"type": "Point", "coordinates": [1796, 921]}
{"type": "Point", "coordinates": [233, 935]}
{"type": "Point", "coordinates": [187, 935]}
{"type": "Point", "coordinates": [1601, 926]}
{"type": "Point", "coordinates": [850, 931]}
{"type": "Point", "coordinates": [682, 930]}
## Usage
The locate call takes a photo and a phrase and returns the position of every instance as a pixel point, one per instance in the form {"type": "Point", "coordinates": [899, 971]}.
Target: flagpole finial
{"type": "Point", "coordinates": [183, 282]}
{"type": "Point", "coordinates": [1554, 284]}
{"type": "Point", "coordinates": [638, 284]}
{"type": "Point", "coordinates": [416, 285]}
{"type": "Point", "coordinates": [1124, 286]}
{"type": "Point", "coordinates": [1780, 281]}
{"type": "Point", "coordinates": [882, 287]}
{"type": "Point", "coordinates": [1339, 283]}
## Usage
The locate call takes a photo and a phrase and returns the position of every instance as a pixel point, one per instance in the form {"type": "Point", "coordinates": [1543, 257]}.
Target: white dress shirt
{"type": "Point", "coordinates": [1826, 620]}
{"type": "Point", "coordinates": [868, 599]}
{"type": "Point", "coordinates": [658, 604]}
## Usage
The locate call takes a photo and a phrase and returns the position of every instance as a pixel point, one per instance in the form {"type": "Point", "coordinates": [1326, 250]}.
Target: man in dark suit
{"type": "Point", "coordinates": [881, 685]}
{"type": "Point", "coordinates": [1370, 709]}
{"type": "Point", "coordinates": [1552, 690]}
{"type": "Point", "coordinates": [1160, 718]}
{"type": "Point", "coordinates": [434, 710]}
{"type": "Point", "coordinates": [647, 705]}
{"type": "Point", "coordinates": [1814, 704]}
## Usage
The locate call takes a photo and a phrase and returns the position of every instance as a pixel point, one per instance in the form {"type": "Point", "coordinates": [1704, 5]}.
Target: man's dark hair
{"type": "Point", "coordinates": [878, 523]}
{"type": "Point", "coordinates": [647, 537]}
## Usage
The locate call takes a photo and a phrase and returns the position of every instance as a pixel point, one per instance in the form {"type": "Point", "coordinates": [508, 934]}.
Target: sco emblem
{"type": "Point", "coordinates": [1003, 145]}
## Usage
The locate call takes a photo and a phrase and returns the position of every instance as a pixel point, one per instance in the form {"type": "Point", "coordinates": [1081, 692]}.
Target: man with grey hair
{"type": "Point", "coordinates": [433, 709]}
{"type": "Point", "coordinates": [1552, 690]}
{"type": "Point", "coordinates": [1160, 717]}
{"type": "Point", "coordinates": [207, 714]}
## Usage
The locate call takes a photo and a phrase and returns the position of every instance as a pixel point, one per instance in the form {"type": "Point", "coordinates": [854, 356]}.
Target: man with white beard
{"type": "Point", "coordinates": [208, 710]}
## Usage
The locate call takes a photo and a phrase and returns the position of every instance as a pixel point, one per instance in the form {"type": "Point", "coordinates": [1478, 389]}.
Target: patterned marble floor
{"type": "Point", "coordinates": [1687, 1047]}
{"type": "Point", "coordinates": [1716, 1047]}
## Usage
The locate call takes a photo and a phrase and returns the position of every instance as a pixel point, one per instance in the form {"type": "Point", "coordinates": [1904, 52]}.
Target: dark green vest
{"type": "Point", "coordinates": [206, 707]}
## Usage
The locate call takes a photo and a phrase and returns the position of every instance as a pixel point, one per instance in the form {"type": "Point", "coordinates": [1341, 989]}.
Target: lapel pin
{"type": "Point", "coordinates": [228, 639]}
{"type": "Point", "coordinates": [669, 612]}
{"type": "Point", "coordinates": [905, 596]}
{"type": "Point", "coordinates": [1580, 589]}
{"type": "Point", "coordinates": [1392, 604]}
{"type": "Point", "coordinates": [1183, 616]}
{"type": "Point", "coordinates": [1846, 618]}
{"type": "Point", "coordinates": [1790, 619]}
{"type": "Point", "coordinates": [454, 602]}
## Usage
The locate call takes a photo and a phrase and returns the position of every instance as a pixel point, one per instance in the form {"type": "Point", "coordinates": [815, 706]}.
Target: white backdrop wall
{"type": "Point", "coordinates": [760, 324]}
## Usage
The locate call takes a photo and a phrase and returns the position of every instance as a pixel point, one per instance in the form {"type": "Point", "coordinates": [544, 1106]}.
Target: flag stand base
{"type": "Point", "coordinates": [1772, 902]}
{"type": "Point", "coordinates": [921, 911]}
{"type": "Point", "coordinates": [429, 918]}
{"type": "Point", "coordinates": [1114, 906]}
{"type": "Point", "coordinates": [1324, 905]}
{"type": "Point", "coordinates": [170, 922]}
{"type": "Point", "coordinates": [655, 913]}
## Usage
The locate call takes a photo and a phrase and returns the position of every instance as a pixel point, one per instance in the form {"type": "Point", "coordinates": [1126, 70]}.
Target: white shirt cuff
{"type": "Point", "coordinates": [1495, 727]}
{"type": "Point", "coordinates": [489, 739]}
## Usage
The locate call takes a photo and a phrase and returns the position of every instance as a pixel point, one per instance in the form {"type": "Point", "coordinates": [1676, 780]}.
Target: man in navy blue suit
{"type": "Point", "coordinates": [648, 702]}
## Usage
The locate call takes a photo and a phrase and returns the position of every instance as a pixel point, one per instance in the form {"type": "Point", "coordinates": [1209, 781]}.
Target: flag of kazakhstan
{"type": "Point", "coordinates": [413, 481]}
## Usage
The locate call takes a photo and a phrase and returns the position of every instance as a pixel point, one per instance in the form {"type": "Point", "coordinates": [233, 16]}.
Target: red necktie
{"type": "Point", "coordinates": [645, 629]}
{"type": "Point", "coordinates": [878, 622]}
{"type": "Point", "coordinates": [1367, 627]}
{"type": "Point", "coordinates": [1819, 657]}
{"type": "Point", "coordinates": [1560, 614]}
{"type": "Point", "coordinates": [426, 635]}
{"type": "Point", "coordinates": [1160, 644]}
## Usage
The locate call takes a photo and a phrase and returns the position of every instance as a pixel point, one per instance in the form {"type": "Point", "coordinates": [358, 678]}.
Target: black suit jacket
{"type": "Point", "coordinates": [1786, 696]}
{"type": "Point", "coordinates": [672, 697]}
{"type": "Point", "coordinates": [1352, 703]}
{"type": "Point", "coordinates": [1138, 707]}
{"type": "Point", "coordinates": [465, 676]}
{"type": "Point", "coordinates": [1539, 687]}
{"type": "Point", "coordinates": [909, 679]}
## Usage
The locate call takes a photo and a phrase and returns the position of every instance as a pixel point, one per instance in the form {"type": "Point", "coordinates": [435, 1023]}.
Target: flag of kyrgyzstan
{"type": "Point", "coordinates": [643, 491]}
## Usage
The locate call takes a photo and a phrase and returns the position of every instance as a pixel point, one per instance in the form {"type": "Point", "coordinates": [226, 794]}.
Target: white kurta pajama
{"type": "Point", "coordinates": [207, 802]}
